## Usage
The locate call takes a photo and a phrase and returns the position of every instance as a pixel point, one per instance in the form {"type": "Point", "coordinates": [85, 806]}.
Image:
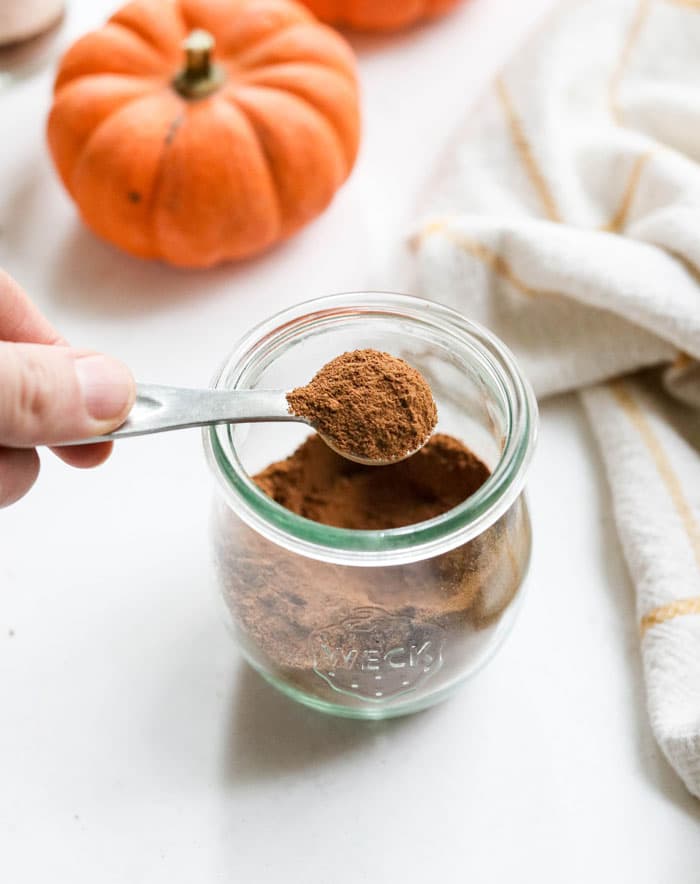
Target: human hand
{"type": "Point", "coordinates": [51, 393]}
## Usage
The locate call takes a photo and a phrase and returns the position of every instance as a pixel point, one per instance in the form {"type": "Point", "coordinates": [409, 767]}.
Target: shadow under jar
{"type": "Point", "coordinates": [374, 624]}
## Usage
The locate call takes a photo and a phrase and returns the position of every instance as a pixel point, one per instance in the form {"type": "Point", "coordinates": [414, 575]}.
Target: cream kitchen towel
{"type": "Point", "coordinates": [566, 217]}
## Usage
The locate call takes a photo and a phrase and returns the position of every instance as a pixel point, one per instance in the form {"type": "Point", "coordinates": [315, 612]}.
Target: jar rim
{"type": "Point", "coordinates": [395, 545]}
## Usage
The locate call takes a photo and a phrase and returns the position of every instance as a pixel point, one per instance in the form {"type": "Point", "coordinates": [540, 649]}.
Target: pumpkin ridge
{"type": "Point", "coordinates": [289, 223]}
{"type": "Point", "coordinates": [160, 52]}
{"type": "Point", "coordinates": [157, 82]}
{"type": "Point", "coordinates": [187, 21]}
{"type": "Point", "coordinates": [310, 62]}
{"type": "Point", "coordinates": [157, 177]}
{"type": "Point", "coordinates": [138, 38]}
{"type": "Point", "coordinates": [224, 252]}
{"type": "Point", "coordinates": [235, 58]}
{"type": "Point", "coordinates": [108, 119]}
{"type": "Point", "coordinates": [78, 61]}
{"type": "Point", "coordinates": [230, 98]}
{"type": "Point", "coordinates": [231, 56]}
{"type": "Point", "coordinates": [291, 92]}
{"type": "Point", "coordinates": [154, 197]}
{"type": "Point", "coordinates": [348, 150]}
{"type": "Point", "coordinates": [150, 86]}
{"type": "Point", "coordinates": [133, 26]}
{"type": "Point", "coordinates": [335, 64]}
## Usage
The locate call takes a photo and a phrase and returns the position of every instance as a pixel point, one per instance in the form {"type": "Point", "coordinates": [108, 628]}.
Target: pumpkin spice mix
{"type": "Point", "coordinates": [281, 600]}
{"type": "Point", "coordinates": [371, 405]}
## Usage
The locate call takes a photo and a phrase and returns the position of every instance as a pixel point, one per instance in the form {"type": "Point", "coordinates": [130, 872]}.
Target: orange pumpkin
{"type": "Point", "coordinates": [377, 15]}
{"type": "Point", "coordinates": [209, 152]}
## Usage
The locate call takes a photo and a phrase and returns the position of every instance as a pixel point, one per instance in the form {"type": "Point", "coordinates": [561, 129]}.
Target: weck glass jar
{"type": "Point", "coordinates": [373, 624]}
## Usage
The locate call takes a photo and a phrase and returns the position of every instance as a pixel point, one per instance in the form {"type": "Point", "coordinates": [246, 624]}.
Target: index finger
{"type": "Point", "coordinates": [20, 320]}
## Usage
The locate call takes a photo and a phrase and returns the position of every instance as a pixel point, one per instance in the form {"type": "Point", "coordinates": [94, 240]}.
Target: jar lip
{"type": "Point", "coordinates": [396, 545]}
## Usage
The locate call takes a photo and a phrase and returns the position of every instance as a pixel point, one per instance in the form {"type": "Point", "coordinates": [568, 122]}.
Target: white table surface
{"type": "Point", "coordinates": [135, 745]}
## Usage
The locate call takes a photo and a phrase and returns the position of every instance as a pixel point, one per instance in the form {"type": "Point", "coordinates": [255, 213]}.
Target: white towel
{"type": "Point", "coordinates": [566, 217]}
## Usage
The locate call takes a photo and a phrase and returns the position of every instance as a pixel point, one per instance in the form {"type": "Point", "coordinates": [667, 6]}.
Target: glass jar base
{"type": "Point", "coordinates": [358, 713]}
{"type": "Point", "coordinates": [409, 705]}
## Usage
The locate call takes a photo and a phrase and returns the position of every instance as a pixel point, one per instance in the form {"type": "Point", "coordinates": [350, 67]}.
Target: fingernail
{"type": "Point", "coordinates": [106, 386]}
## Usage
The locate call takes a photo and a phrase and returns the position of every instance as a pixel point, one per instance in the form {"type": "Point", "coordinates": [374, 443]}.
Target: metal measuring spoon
{"type": "Point", "coordinates": [158, 409]}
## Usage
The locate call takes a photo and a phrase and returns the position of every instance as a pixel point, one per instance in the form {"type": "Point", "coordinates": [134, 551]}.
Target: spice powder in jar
{"type": "Point", "coordinates": [281, 601]}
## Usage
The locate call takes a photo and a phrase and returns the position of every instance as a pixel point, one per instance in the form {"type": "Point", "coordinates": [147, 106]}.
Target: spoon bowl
{"type": "Point", "coordinates": [365, 461]}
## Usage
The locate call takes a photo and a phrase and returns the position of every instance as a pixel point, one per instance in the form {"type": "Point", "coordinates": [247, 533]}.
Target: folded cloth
{"type": "Point", "coordinates": [566, 217]}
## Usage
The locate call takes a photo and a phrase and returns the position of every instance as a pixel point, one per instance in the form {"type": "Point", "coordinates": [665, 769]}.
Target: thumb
{"type": "Point", "coordinates": [53, 394]}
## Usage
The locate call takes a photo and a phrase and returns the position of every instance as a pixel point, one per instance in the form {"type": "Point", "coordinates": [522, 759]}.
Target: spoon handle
{"type": "Point", "coordinates": [158, 409]}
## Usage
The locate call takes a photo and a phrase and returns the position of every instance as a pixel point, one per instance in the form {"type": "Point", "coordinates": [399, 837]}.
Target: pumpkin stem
{"type": "Point", "coordinates": [200, 75]}
{"type": "Point", "coordinates": [198, 47]}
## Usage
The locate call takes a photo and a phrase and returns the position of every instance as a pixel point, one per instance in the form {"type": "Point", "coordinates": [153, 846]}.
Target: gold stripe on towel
{"type": "Point", "coordinates": [686, 4]}
{"type": "Point", "coordinates": [619, 219]}
{"type": "Point", "coordinates": [673, 484]}
{"type": "Point", "coordinates": [629, 44]}
{"type": "Point", "coordinates": [527, 157]}
{"type": "Point", "coordinates": [486, 255]}
{"type": "Point", "coordinates": [683, 360]}
{"type": "Point", "coordinates": [668, 612]}
{"type": "Point", "coordinates": [668, 475]}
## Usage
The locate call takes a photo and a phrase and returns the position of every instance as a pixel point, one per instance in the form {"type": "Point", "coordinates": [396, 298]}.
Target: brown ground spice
{"type": "Point", "coordinates": [280, 600]}
{"type": "Point", "coordinates": [370, 404]}
{"type": "Point", "coordinates": [319, 484]}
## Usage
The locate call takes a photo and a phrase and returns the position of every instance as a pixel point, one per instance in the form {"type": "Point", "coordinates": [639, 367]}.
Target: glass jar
{"type": "Point", "coordinates": [373, 624]}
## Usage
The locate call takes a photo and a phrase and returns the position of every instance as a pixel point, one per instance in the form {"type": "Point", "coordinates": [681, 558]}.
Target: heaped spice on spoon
{"type": "Point", "coordinates": [369, 404]}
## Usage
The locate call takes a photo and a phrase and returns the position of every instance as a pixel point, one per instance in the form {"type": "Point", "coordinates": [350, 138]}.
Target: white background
{"type": "Point", "coordinates": [135, 746]}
